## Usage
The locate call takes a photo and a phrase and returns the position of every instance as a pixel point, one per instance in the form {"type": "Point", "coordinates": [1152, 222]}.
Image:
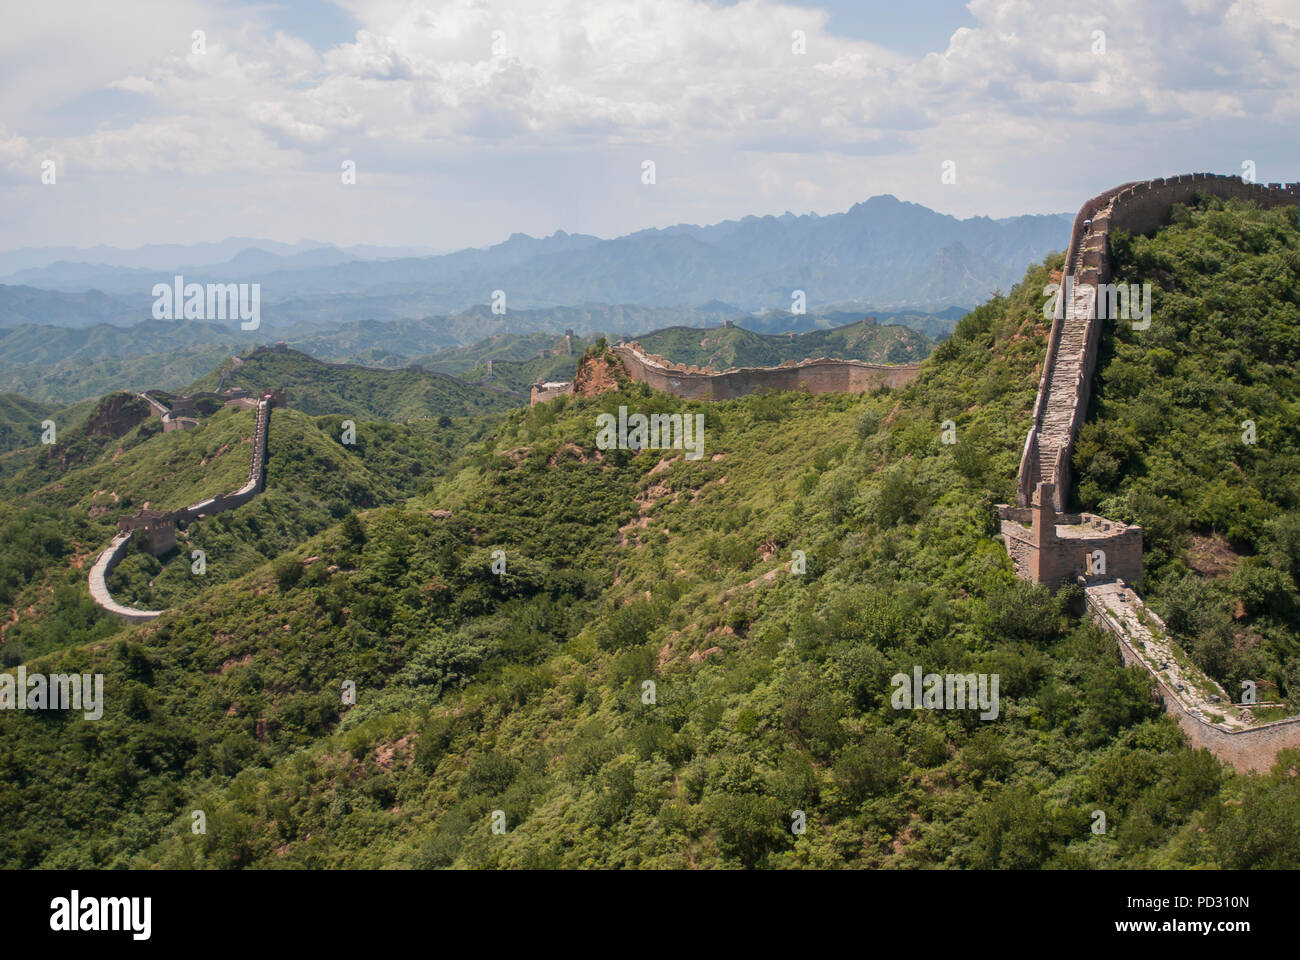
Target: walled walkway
{"type": "Point", "coordinates": [1065, 384]}
{"type": "Point", "coordinates": [116, 550]}
{"type": "Point", "coordinates": [1049, 552]}
{"type": "Point", "coordinates": [822, 375]}
{"type": "Point", "coordinates": [99, 586]}
{"type": "Point", "coordinates": [1227, 730]}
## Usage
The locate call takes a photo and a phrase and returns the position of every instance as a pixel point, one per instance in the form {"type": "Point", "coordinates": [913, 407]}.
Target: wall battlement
{"type": "Point", "coordinates": [1059, 548]}
{"type": "Point", "coordinates": [822, 375]}
{"type": "Point", "coordinates": [549, 390]}
{"type": "Point", "coordinates": [1066, 382]}
{"type": "Point", "coordinates": [1050, 546]}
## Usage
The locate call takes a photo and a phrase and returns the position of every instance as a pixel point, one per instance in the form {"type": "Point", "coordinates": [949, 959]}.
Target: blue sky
{"type": "Point", "coordinates": [915, 28]}
{"type": "Point", "coordinates": [468, 120]}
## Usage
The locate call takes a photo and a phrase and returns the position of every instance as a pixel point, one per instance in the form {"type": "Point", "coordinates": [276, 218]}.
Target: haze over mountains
{"type": "Point", "coordinates": [882, 254]}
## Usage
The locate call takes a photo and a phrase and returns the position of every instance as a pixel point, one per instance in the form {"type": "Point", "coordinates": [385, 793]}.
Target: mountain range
{"type": "Point", "coordinates": [883, 253]}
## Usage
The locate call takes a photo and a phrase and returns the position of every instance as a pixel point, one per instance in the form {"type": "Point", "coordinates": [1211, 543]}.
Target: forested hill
{"type": "Point", "coordinates": [319, 388]}
{"type": "Point", "coordinates": [1195, 434]}
{"type": "Point", "coordinates": [20, 421]}
{"type": "Point", "coordinates": [732, 346]}
{"type": "Point", "coordinates": [59, 505]}
{"type": "Point", "coordinates": [524, 689]}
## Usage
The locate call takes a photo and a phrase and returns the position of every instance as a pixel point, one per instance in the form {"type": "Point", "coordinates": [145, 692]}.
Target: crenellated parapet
{"type": "Point", "coordinates": [822, 375]}
{"type": "Point", "coordinates": [1048, 545]}
{"type": "Point", "coordinates": [1065, 385]}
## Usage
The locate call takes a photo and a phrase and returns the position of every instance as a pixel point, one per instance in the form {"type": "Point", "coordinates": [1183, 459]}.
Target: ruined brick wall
{"type": "Point", "coordinates": [541, 394]}
{"type": "Point", "coordinates": [1021, 548]}
{"type": "Point", "coordinates": [1065, 559]}
{"type": "Point", "coordinates": [1055, 560]}
{"type": "Point", "coordinates": [811, 376]}
{"type": "Point", "coordinates": [1246, 750]}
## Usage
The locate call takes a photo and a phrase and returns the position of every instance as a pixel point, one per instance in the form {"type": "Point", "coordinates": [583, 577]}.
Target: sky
{"type": "Point", "coordinates": [469, 120]}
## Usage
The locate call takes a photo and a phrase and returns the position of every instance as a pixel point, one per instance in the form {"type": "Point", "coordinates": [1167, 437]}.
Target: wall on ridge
{"type": "Point", "coordinates": [224, 501]}
{"type": "Point", "coordinates": [813, 376]}
{"type": "Point", "coordinates": [1137, 207]}
{"type": "Point", "coordinates": [1255, 749]}
{"type": "Point", "coordinates": [104, 565]}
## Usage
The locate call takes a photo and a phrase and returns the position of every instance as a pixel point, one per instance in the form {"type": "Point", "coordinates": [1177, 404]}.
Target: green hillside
{"type": "Point", "coordinates": [722, 347]}
{"type": "Point", "coordinates": [312, 480]}
{"type": "Point", "coordinates": [1167, 444]}
{"type": "Point", "coordinates": [318, 388]}
{"type": "Point", "coordinates": [71, 380]}
{"type": "Point", "coordinates": [60, 507]}
{"type": "Point", "coordinates": [20, 421]}
{"type": "Point", "coordinates": [166, 471]}
{"type": "Point", "coordinates": [649, 683]}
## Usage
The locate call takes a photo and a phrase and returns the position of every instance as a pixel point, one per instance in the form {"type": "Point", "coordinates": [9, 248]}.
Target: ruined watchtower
{"type": "Point", "coordinates": [1055, 548]}
{"type": "Point", "coordinates": [158, 528]}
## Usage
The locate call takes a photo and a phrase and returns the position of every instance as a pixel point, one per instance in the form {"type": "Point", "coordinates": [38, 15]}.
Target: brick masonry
{"type": "Point", "coordinates": [1066, 382]}
{"type": "Point", "coordinates": [1253, 749]}
{"type": "Point", "coordinates": [822, 375]}
{"type": "Point", "coordinates": [549, 390]}
{"type": "Point", "coordinates": [1059, 548]}
{"type": "Point", "coordinates": [1050, 546]}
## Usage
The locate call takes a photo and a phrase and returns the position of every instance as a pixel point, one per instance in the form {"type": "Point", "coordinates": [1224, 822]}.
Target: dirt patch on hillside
{"type": "Point", "coordinates": [627, 532]}
{"type": "Point", "coordinates": [385, 751]}
{"type": "Point", "coordinates": [597, 375]}
{"type": "Point", "coordinates": [571, 451]}
{"type": "Point", "coordinates": [647, 498]}
{"type": "Point", "coordinates": [228, 665]}
{"type": "Point", "coordinates": [1211, 556]}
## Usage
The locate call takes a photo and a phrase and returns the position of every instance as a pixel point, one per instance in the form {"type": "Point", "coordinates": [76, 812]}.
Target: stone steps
{"type": "Point", "coordinates": [1062, 388]}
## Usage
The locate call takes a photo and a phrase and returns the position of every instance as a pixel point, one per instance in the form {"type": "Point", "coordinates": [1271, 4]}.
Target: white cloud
{"type": "Point", "coordinates": [1021, 102]}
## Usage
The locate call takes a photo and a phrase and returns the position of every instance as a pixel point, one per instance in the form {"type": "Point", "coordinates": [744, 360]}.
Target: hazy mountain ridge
{"type": "Point", "coordinates": [885, 252]}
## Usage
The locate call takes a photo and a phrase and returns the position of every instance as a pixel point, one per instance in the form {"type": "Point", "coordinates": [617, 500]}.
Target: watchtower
{"type": "Point", "coordinates": [158, 527]}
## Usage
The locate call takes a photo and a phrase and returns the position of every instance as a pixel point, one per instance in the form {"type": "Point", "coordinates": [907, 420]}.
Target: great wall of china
{"type": "Point", "coordinates": [822, 375]}
{"type": "Point", "coordinates": [1046, 543]}
{"type": "Point", "coordinates": [1049, 545]}
{"type": "Point", "coordinates": [159, 527]}
{"type": "Point", "coordinates": [812, 376]}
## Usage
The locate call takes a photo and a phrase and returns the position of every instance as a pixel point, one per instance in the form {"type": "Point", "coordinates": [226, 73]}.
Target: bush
{"type": "Point", "coordinates": [287, 571]}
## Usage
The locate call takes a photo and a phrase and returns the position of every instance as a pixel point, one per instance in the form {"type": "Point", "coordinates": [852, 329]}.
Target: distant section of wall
{"type": "Point", "coordinates": [149, 519]}
{"type": "Point", "coordinates": [99, 587]}
{"type": "Point", "coordinates": [812, 376]}
{"type": "Point", "coordinates": [549, 390]}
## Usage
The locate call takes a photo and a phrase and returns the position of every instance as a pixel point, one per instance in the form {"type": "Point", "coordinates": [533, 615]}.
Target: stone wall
{"type": "Point", "coordinates": [812, 376]}
{"type": "Point", "coordinates": [104, 565]}
{"type": "Point", "coordinates": [226, 501]}
{"type": "Point", "coordinates": [541, 392]}
{"type": "Point", "coordinates": [1054, 548]}
{"type": "Point", "coordinates": [1032, 530]}
{"type": "Point", "coordinates": [1255, 749]}
{"type": "Point", "coordinates": [1065, 384]}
